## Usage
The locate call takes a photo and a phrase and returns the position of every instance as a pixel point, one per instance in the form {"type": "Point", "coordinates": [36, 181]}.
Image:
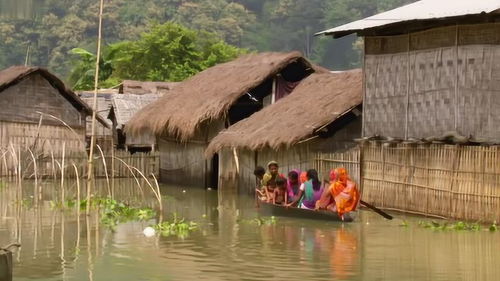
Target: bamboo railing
{"type": "Point", "coordinates": [451, 181]}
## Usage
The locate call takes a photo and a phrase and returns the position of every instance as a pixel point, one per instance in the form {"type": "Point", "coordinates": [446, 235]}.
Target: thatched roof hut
{"type": "Point", "coordinates": [134, 87]}
{"type": "Point", "coordinates": [318, 101]}
{"type": "Point", "coordinates": [37, 109]}
{"type": "Point", "coordinates": [15, 74]}
{"type": "Point", "coordinates": [209, 94]}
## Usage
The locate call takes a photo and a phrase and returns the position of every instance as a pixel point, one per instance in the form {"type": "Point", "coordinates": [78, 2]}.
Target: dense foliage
{"type": "Point", "coordinates": [168, 52]}
{"type": "Point", "coordinates": [43, 32]}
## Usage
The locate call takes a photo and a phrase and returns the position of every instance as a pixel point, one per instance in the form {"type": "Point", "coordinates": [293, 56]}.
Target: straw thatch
{"type": "Point", "coordinates": [209, 94]}
{"type": "Point", "coordinates": [15, 74]}
{"type": "Point", "coordinates": [318, 101]}
{"type": "Point", "coordinates": [125, 106]}
{"type": "Point", "coordinates": [145, 87]}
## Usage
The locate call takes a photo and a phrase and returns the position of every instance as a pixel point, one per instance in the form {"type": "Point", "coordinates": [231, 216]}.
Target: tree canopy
{"type": "Point", "coordinates": [43, 32]}
{"type": "Point", "coordinates": [167, 52]}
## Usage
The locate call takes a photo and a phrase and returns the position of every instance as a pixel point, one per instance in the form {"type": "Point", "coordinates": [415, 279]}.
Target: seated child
{"type": "Point", "coordinates": [280, 194]}
{"type": "Point", "coordinates": [260, 193]}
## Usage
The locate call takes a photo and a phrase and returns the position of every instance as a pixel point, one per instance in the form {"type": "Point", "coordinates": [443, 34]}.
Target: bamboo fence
{"type": "Point", "coordinates": [325, 162]}
{"type": "Point", "coordinates": [451, 181]}
{"type": "Point", "coordinates": [49, 165]}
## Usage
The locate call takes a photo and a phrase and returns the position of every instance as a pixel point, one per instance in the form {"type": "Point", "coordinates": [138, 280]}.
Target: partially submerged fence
{"type": "Point", "coordinates": [325, 162]}
{"type": "Point", "coordinates": [116, 163]}
{"type": "Point", "coordinates": [451, 181]}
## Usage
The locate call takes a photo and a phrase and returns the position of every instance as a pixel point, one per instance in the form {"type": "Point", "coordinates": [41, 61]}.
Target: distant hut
{"type": "Point", "coordinates": [322, 115]}
{"type": "Point", "coordinates": [193, 112]}
{"type": "Point", "coordinates": [103, 133]}
{"type": "Point", "coordinates": [37, 110]}
{"type": "Point", "coordinates": [123, 108]}
{"type": "Point", "coordinates": [145, 87]}
{"type": "Point", "coordinates": [432, 88]}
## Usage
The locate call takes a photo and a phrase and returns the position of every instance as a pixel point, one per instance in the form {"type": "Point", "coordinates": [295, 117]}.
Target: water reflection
{"type": "Point", "coordinates": [67, 245]}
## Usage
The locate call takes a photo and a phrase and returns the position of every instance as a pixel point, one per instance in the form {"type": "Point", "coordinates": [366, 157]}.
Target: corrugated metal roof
{"type": "Point", "coordinates": [126, 105]}
{"type": "Point", "coordinates": [421, 10]}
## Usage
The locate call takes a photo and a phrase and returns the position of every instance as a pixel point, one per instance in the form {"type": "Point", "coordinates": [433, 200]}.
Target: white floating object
{"type": "Point", "coordinates": [149, 231]}
{"type": "Point", "coordinates": [184, 191]}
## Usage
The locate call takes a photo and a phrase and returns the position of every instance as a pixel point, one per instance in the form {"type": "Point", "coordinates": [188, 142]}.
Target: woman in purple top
{"type": "Point", "coordinates": [293, 184]}
{"type": "Point", "coordinates": [309, 192]}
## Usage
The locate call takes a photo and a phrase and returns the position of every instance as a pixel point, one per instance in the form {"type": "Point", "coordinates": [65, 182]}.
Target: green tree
{"type": "Point", "coordinates": [168, 52]}
{"type": "Point", "coordinates": [83, 73]}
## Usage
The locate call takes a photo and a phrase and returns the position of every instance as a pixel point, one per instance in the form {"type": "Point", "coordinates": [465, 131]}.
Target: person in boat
{"type": "Point", "coordinates": [269, 179]}
{"type": "Point", "coordinates": [293, 184]}
{"type": "Point", "coordinates": [309, 192]}
{"type": "Point", "coordinates": [344, 192]}
{"type": "Point", "coordinates": [280, 196]}
{"type": "Point", "coordinates": [259, 175]}
{"type": "Point", "coordinates": [326, 202]}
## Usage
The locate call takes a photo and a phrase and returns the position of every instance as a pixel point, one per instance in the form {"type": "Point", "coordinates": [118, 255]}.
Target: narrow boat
{"type": "Point", "coordinates": [281, 211]}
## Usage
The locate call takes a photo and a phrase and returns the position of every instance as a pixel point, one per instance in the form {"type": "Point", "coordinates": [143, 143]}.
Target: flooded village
{"type": "Point", "coordinates": [184, 153]}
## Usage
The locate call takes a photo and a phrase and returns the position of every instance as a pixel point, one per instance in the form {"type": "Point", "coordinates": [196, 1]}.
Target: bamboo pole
{"type": "Point", "coordinates": [94, 106]}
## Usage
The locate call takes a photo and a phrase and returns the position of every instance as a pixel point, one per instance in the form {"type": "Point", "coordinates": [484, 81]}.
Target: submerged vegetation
{"type": "Point", "coordinates": [453, 226]}
{"type": "Point", "coordinates": [260, 221]}
{"type": "Point", "coordinates": [175, 227]}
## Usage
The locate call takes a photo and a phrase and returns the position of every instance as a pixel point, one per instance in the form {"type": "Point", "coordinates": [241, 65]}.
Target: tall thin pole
{"type": "Point", "coordinates": [94, 109]}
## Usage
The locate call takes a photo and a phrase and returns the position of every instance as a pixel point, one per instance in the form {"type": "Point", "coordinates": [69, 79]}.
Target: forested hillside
{"type": "Point", "coordinates": [43, 32]}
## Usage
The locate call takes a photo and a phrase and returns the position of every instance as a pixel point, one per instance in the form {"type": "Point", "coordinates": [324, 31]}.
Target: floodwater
{"type": "Point", "coordinates": [59, 245]}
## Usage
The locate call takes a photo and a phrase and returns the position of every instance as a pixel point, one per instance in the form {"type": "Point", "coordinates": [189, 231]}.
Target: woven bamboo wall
{"type": "Point", "coordinates": [46, 140]}
{"type": "Point", "coordinates": [325, 162]}
{"type": "Point", "coordinates": [460, 182]}
{"type": "Point", "coordinates": [184, 162]}
{"type": "Point", "coordinates": [440, 80]}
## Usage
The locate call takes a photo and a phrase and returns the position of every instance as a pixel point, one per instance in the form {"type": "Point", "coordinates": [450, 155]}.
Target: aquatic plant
{"type": "Point", "coordinates": [62, 205]}
{"type": "Point", "coordinates": [114, 212]}
{"type": "Point", "coordinates": [261, 221]}
{"type": "Point", "coordinates": [404, 223]}
{"type": "Point", "coordinates": [493, 227]}
{"type": "Point", "coordinates": [460, 225]}
{"type": "Point", "coordinates": [176, 227]}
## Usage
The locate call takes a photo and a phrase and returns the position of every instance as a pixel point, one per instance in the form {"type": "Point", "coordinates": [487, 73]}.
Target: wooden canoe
{"type": "Point", "coordinates": [281, 211]}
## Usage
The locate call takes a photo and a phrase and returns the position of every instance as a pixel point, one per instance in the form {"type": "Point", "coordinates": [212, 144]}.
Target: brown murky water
{"type": "Point", "coordinates": [57, 245]}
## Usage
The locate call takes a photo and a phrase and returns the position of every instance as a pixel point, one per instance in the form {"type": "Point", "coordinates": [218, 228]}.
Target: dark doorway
{"type": "Point", "coordinates": [214, 176]}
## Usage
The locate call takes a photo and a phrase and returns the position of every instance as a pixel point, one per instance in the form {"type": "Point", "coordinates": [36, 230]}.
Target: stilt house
{"type": "Point", "coordinates": [321, 115]}
{"type": "Point", "coordinates": [432, 92]}
{"type": "Point", "coordinates": [192, 113]}
{"type": "Point", "coordinates": [40, 113]}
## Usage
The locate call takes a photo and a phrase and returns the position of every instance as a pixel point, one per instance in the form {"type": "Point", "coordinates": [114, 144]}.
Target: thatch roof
{"type": "Point", "coordinates": [209, 94]}
{"type": "Point", "coordinates": [15, 74]}
{"type": "Point", "coordinates": [145, 87]}
{"type": "Point", "coordinates": [318, 101]}
{"type": "Point", "coordinates": [125, 106]}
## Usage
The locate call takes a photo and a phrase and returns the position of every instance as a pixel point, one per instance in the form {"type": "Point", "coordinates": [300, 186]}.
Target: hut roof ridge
{"type": "Point", "coordinates": [209, 94]}
{"type": "Point", "coordinates": [14, 74]}
{"type": "Point", "coordinates": [317, 101]}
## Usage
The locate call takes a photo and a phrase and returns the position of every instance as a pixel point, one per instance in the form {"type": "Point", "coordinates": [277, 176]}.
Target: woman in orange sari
{"type": "Point", "coordinates": [344, 192]}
